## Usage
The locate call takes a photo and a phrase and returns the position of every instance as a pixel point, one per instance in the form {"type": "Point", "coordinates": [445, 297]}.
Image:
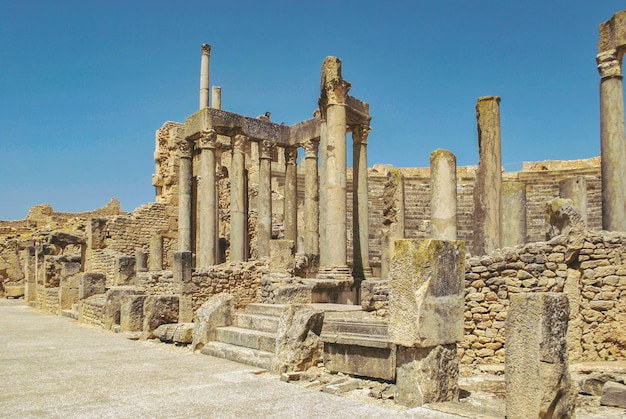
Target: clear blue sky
{"type": "Point", "coordinates": [85, 84]}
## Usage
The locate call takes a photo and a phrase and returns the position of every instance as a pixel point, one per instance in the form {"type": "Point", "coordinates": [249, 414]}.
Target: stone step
{"type": "Point", "coordinates": [252, 339]}
{"type": "Point", "coordinates": [72, 314]}
{"type": "Point", "coordinates": [265, 309]}
{"type": "Point", "coordinates": [258, 322]}
{"type": "Point", "coordinates": [356, 340]}
{"type": "Point", "coordinates": [355, 327]}
{"type": "Point", "coordinates": [255, 357]}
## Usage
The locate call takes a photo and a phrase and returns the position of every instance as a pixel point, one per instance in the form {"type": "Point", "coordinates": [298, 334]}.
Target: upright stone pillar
{"type": "Point", "coordinates": [360, 214]}
{"type": "Point", "coordinates": [311, 198]}
{"type": "Point", "coordinates": [141, 260]}
{"type": "Point", "coordinates": [155, 262]}
{"type": "Point", "coordinates": [513, 212]}
{"type": "Point", "coordinates": [207, 218]}
{"type": "Point", "coordinates": [575, 188]}
{"type": "Point", "coordinates": [184, 196]}
{"type": "Point", "coordinates": [216, 97]}
{"type": "Point", "coordinates": [333, 105]}
{"type": "Point", "coordinates": [238, 230]}
{"type": "Point", "coordinates": [322, 187]}
{"type": "Point", "coordinates": [488, 177]}
{"type": "Point", "coordinates": [443, 195]}
{"type": "Point", "coordinates": [291, 194]}
{"type": "Point", "coordinates": [612, 141]}
{"type": "Point", "coordinates": [426, 305]}
{"type": "Point", "coordinates": [204, 76]}
{"type": "Point", "coordinates": [538, 384]}
{"type": "Point", "coordinates": [393, 221]}
{"type": "Point", "coordinates": [264, 199]}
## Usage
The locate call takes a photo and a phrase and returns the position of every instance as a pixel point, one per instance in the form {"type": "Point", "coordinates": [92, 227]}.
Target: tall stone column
{"type": "Point", "coordinates": [334, 96]}
{"type": "Point", "coordinates": [513, 212]}
{"type": "Point", "coordinates": [291, 194]}
{"type": "Point", "coordinates": [488, 177]}
{"type": "Point", "coordinates": [322, 186]}
{"type": "Point", "coordinates": [575, 188]}
{"type": "Point", "coordinates": [311, 198]}
{"type": "Point", "coordinates": [360, 224]}
{"type": "Point", "coordinates": [612, 141]}
{"type": "Point", "coordinates": [204, 76]}
{"type": "Point", "coordinates": [207, 218]}
{"type": "Point", "coordinates": [185, 184]}
{"type": "Point", "coordinates": [238, 231]}
{"type": "Point", "coordinates": [443, 195]}
{"type": "Point", "coordinates": [264, 199]}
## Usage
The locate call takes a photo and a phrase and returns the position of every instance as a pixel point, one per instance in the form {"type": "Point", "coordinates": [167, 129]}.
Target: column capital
{"type": "Point", "coordinates": [265, 149]}
{"type": "Point", "coordinates": [337, 91]}
{"type": "Point", "coordinates": [311, 148]}
{"type": "Point", "coordinates": [238, 143]}
{"type": "Point", "coordinates": [360, 133]}
{"type": "Point", "coordinates": [206, 49]}
{"type": "Point", "coordinates": [291, 155]}
{"type": "Point", "coordinates": [185, 148]}
{"type": "Point", "coordinates": [208, 139]}
{"type": "Point", "coordinates": [609, 64]}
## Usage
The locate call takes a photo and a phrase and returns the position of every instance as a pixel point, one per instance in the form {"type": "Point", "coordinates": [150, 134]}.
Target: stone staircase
{"type": "Point", "coordinates": [251, 339]}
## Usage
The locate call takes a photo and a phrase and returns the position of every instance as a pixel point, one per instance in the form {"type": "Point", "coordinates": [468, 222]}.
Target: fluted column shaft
{"type": "Point", "coordinates": [360, 214]}
{"type": "Point", "coordinates": [185, 183]}
{"type": "Point", "coordinates": [238, 231]}
{"type": "Point", "coordinates": [291, 194]}
{"type": "Point", "coordinates": [612, 142]}
{"type": "Point", "coordinates": [207, 219]}
{"type": "Point", "coordinates": [264, 199]}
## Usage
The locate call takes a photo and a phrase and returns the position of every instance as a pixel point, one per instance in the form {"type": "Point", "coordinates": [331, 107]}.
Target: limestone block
{"type": "Point", "coordinates": [613, 394]}
{"type": "Point", "coordinates": [426, 302]}
{"type": "Point", "coordinates": [158, 310]}
{"type": "Point", "coordinates": [538, 383]}
{"type": "Point", "coordinates": [67, 297]}
{"type": "Point", "coordinates": [298, 343]}
{"type": "Point", "coordinates": [91, 283]}
{"type": "Point", "coordinates": [114, 304]}
{"type": "Point", "coordinates": [562, 218]}
{"type": "Point", "coordinates": [427, 375]}
{"type": "Point", "coordinates": [282, 255]}
{"type": "Point", "coordinates": [70, 275]}
{"type": "Point", "coordinates": [124, 270]}
{"type": "Point", "coordinates": [216, 312]}
{"type": "Point", "coordinates": [131, 313]}
{"type": "Point", "coordinates": [175, 332]}
{"type": "Point", "coordinates": [183, 263]}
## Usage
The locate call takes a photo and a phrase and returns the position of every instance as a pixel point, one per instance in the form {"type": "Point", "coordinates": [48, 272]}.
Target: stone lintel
{"type": "Point", "coordinates": [230, 124]}
{"type": "Point", "coordinates": [357, 111]}
{"type": "Point", "coordinates": [613, 34]}
{"type": "Point", "coordinates": [305, 131]}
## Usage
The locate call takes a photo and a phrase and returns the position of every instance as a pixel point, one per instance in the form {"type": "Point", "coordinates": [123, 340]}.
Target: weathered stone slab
{"type": "Point", "coordinates": [124, 270]}
{"type": "Point", "coordinates": [538, 383]}
{"type": "Point", "coordinates": [298, 343]}
{"type": "Point", "coordinates": [426, 299]}
{"type": "Point", "coordinates": [113, 307]}
{"type": "Point", "coordinates": [282, 255]}
{"type": "Point", "coordinates": [91, 283]}
{"type": "Point", "coordinates": [175, 332]}
{"type": "Point", "coordinates": [216, 312]}
{"type": "Point", "coordinates": [131, 313]}
{"type": "Point", "coordinates": [183, 263]}
{"type": "Point", "coordinates": [158, 310]}
{"type": "Point", "coordinates": [427, 375]}
{"type": "Point", "coordinates": [613, 394]}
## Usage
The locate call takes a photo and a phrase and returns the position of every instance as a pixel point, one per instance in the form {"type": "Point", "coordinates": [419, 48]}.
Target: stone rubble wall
{"type": "Point", "coordinates": [241, 279]}
{"type": "Point", "coordinates": [103, 261]}
{"type": "Point", "coordinates": [92, 310]}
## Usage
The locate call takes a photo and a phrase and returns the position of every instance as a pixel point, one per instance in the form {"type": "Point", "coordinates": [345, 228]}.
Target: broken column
{"type": "Point", "coordinates": [575, 188]}
{"type": "Point", "coordinates": [204, 76]}
{"type": "Point", "coordinates": [393, 221]}
{"type": "Point", "coordinates": [488, 177]}
{"type": "Point", "coordinates": [513, 214]}
{"type": "Point", "coordinates": [216, 97]}
{"type": "Point", "coordinates": [426, 307]}
{"type": "Point", "coordinates": [443, 195]}
{"type": "Point", "coordinates": [333, 98]}
{"type": "Point", "coordinates": [612, 136]}
{"type": "Point", "coordinates": [360, 224]}
{"type": "Point", "coordinates": [311, 198]}
{"type": "Point", "coordinates": [538, 383]}
{"type": "Point", "coordinates": [185, 184]}
{"type": "Point", "coordinates": [155, 261]}
{"type": "Point", "coordinates": [264, 199]}
{"type": "Point", "coordinates": [291, 198]}
{"type": "Point", "coordinates": [206, 198]}
{"type": "Point", "coordinates": [238, 210]}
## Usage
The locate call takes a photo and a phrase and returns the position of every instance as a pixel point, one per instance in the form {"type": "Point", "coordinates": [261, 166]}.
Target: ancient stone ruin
{"type": "Point", "coordinates": [262, 246]}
